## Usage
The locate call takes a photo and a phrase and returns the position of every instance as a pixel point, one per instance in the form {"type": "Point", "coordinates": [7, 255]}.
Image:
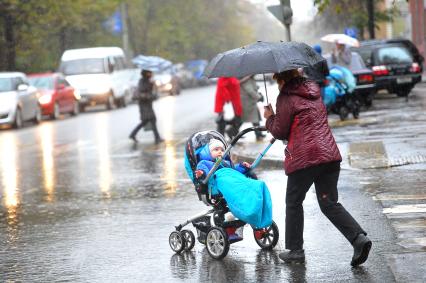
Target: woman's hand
{"type": "Point", "coordinates": [268, 111]}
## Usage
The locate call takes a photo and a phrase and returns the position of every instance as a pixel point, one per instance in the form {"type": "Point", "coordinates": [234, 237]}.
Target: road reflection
{"type": "Point", "coordinates": [46, 134]}
{"type": "Point", "coordinates": [9, 174]}
{"type": "Point", "coordinates": [168, 106]}
{"type": "Point", "coordinates": [102, 145]}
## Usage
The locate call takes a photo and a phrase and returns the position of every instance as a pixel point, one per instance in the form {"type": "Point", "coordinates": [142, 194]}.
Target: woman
{"type": "Point", "coordinates": [228, 90]}
{"type": "Point", "coordinates": [311, 157]}
{"type": "Point", "coordinates": [249, 98]}
{"type": "Point", "coordinates": [145, 97]}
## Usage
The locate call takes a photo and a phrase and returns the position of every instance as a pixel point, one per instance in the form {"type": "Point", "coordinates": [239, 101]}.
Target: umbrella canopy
{"type": "Point", "coordinates": [151, 63]}
{"type": "Point", "coordinates": [341, 39]}
{"type": "Point", "coordinates": [262, 58]}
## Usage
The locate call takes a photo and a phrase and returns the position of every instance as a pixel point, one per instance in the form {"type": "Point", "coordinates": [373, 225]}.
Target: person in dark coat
{"type": "Point", "coordinates": [311, 157]}
{"type": "Point", "coordinates": [249, 98]}
{"type": "Point", "coordinates": [145, 96]}
{"type": "Point", "coordinates": [228, 91]}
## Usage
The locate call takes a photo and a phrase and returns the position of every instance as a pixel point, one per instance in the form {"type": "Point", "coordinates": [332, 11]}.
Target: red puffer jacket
{"type": "Point", "coordinates": [301, 118]}
{"type": "Point", "coordinates": [228, 90]}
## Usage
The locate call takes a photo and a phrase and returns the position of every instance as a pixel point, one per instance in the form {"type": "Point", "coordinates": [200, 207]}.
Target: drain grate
{"type": "Point", "coordinates": [407, 160]}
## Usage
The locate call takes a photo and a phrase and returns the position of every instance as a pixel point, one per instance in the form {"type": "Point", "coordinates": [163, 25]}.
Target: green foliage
{"type": "Point", "coordinates": [355, 13]}
{"type": "Point", "coordinates": [177, 30]}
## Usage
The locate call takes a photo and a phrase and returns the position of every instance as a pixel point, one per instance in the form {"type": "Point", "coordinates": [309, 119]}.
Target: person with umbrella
{"type": "Point", "coordinates": [311, 157]}
{"type": "Point", "coordinates": [145, 97]}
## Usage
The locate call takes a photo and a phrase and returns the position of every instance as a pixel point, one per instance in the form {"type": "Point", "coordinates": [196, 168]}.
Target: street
{"type": "Point", "coordinates": [81, 203]}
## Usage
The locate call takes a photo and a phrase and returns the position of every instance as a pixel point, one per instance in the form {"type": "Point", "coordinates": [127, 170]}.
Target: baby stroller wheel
{"type": "Point", "coordinates": [177, 242]}
{"type": "Point", "coordinates": [189, 239]}
{"type": "Point", "coordinates": [217, 243]}
{"type": "Point", "coordinates": [343, 113]}
{"type": "Point", "coordinates": [267, 238]}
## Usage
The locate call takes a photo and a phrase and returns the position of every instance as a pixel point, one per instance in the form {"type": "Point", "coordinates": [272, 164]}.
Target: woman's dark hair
{"type": "Point", "coordinates": [286, 75]}
{"type": "Point", "coordinates": [145, 73]}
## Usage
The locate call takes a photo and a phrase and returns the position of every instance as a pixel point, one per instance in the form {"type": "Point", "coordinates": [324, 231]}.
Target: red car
{"type": "Point", "coordinates": [57, 96]}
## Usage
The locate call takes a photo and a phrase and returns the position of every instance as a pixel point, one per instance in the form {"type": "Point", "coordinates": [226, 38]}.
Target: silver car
{"type": "Point", "coordinates": [18, 100]}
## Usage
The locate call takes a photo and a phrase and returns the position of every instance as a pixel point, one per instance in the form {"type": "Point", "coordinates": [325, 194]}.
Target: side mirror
{"type": "Point", "coordinates": [22, 87]}
{"type": "Point", "coordinates": [61, 86]}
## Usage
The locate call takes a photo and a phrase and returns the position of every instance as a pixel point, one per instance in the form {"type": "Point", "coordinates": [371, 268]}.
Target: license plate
{"type": "Point", "coordinates": [403, 80]}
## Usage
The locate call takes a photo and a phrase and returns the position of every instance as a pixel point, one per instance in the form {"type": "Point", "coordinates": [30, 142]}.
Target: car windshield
{"type": "Point", "coordinates": [42, 82]}
{"type": "Point", "coordinates": [83, 66]}
{"type": "Point", "coordinates": [6, 84]}
{"type": "Point", "coordinates": [393, 55]}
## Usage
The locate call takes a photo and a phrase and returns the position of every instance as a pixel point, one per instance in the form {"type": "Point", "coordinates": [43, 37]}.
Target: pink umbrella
{"type": "Point", "coordinates": [341, 39]}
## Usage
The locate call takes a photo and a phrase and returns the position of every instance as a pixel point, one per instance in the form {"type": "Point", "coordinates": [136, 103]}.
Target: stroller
{"type": "Point", "coordinates": [338, 95]}
{"type": "Point", "coordinates": [213, 229]}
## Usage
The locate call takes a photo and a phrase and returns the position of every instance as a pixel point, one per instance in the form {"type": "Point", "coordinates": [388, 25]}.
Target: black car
{"type": "Point", "coordinates": [393, 66]}
{"type": "Point", "coordinates": [417, 57]}
{"type": "Point", "coordinates": [365, 83]}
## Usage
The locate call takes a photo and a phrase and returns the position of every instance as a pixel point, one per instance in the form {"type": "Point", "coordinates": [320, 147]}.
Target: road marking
{"type": "Point", "coordinates": [409, 208]}
{"type": "Point", "coordinates": [400, 197]}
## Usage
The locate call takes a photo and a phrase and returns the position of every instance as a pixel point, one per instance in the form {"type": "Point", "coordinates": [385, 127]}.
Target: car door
{"type": "Point", "coordinates": [24, 99]}
{"type": "Point", "coordinates": [62, 94]}
{"type": "Point", "coordinates": [68, 94]}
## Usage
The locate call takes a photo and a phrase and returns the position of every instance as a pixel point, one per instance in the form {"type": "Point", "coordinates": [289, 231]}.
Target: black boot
{"type": "Point", "coordinates": [293, 256]}
{"type": "Point", "coordinates": [362, 246]}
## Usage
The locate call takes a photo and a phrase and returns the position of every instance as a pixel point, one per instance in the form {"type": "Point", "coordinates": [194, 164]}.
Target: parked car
{"type": "Point", "coordinates": [18, 100]}
{"type": "Point", "coordinates": [365, 82]}
{"type": "Point", "coordinates": [185, 76]}
{"type": "Point", "coordinates": [56, 94]}
{"type": "Point", "coordinates": [167, 82]}
{"type": "Point", "coordinates": [100, 74]}
{"type": "Point", "coordinates": [417, 57]}
{"type": "Point", "coordinates": [197, 68]}
{"type": "Point", "coordinates": [393, 66]}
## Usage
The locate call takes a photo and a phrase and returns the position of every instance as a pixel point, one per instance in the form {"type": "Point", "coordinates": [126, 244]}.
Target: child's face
{"type": "Point", "coordinates": [217, 152]}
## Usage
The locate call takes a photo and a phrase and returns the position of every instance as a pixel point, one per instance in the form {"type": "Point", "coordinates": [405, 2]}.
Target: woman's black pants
{"type": "Point", "coordinates": [142, 124]}
{"type": "Point", "coordinates": [325, 177]}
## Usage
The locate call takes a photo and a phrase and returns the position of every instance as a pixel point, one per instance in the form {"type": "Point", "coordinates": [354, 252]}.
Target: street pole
{"type": "Point", "coordinates": [125, 31]}
{"type": "Point", "coordinates": [370, 8]}
{"type": "Point", "coordinates": [287, 27]}
{"type": "Point", "coordinates": [287, 16]}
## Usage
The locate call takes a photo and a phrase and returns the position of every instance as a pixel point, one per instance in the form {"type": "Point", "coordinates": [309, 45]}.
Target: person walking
{"type": "Point", "coordinates": [145, 96]}
{"type": "Point", "coordinates": [311, 157]}
{"type": "Point", "coordinates": [228, 91]}
{"type": "Point", "coordinates": [249, 98]}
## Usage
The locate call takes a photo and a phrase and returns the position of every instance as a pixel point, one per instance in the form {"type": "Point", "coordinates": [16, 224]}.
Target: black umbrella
{"type": "Point", "coordinates": [264, 57]}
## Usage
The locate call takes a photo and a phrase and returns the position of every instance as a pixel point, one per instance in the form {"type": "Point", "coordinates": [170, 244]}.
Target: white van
{"type": "Point", "coordinates": [100, 74]}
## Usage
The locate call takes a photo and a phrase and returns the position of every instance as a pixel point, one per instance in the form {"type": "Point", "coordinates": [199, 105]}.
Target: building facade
{"type": "Point", "coordinates": [418, 24]}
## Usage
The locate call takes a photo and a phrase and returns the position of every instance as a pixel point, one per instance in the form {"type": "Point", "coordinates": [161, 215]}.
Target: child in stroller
{"type": "Point", "coordinates": [338, 94]}
{"type": "Point", "coordinates": [214, 229]}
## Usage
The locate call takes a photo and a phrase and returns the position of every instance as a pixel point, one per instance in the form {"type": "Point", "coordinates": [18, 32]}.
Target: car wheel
{"type": "Point", "coordinates": [402, 92]}
{"type": "Point", "coordinates": [110, 102]}
{"type": "Point", "coordinates": [37, 118]}
{"type": "Point", "coordinates": [56, 112]}
{"type": "Point", "coordinates": [82, 108]}
{"type": "Point", "coordinates": [18, 119]}
{"type": "Point", "coordinates": [75, 109]}
{"type": "Point", "coordinates": [343, 113]}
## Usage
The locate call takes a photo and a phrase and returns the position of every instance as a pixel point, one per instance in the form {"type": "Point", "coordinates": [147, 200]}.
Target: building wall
{"type": "Point", "coordinates": [418, 24]}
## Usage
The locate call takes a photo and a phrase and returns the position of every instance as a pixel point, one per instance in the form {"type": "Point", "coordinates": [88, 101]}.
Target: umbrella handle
{"type": "Point", "coordinates": [266, 91]}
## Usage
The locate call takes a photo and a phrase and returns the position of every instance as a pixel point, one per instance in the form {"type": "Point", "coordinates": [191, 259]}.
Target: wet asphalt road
{"type": "Point", "coordinates": [81, 203]}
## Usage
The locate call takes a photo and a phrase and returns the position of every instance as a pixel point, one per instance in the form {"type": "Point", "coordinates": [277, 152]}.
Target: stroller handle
{"type": "Point", "coordinates": [245, 131]}
{"type": "Point", "coordinates": [231, 144]}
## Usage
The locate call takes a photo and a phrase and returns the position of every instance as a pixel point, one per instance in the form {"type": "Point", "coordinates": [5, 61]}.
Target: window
{"type": "Point", "coordinates": [83, 66]}
{"type": "Point", "coordinates": [6, 85]}
{"type": "Point", "coordinates": [393, 55]}
{"type": "Point", "coordinates": [42, 82]}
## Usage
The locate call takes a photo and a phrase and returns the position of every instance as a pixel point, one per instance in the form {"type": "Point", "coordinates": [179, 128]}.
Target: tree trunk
{"type": "Point", "coordinates": [9, 36]}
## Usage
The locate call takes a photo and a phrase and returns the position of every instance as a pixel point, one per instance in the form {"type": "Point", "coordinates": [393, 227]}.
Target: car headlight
{"type": "Point", "coordinates": [77, 94]}
{"type": "Point", "coordinates": [45, 99]}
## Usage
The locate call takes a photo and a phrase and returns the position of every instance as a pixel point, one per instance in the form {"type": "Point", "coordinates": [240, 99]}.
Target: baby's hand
{"type": "Point", "coordinates": [246, 164]}
{"type": "Point", "coordinates": [198, 173]}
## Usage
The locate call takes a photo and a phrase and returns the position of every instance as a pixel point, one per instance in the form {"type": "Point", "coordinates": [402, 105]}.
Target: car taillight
{"type": "Point", "coordinates": [365, 78]}
{"type": "Point", "coordinates": [380, 70]}
{"type": "Point", "coordinates": [415, 68]}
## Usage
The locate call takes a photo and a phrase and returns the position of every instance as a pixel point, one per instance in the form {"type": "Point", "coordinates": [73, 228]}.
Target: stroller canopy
{"type": "Point", "coordinates": [195, 144]}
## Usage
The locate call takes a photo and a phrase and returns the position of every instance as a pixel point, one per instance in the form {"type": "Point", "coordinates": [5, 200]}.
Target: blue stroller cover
{"type": "Point", "coordinates": [248, 199]}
